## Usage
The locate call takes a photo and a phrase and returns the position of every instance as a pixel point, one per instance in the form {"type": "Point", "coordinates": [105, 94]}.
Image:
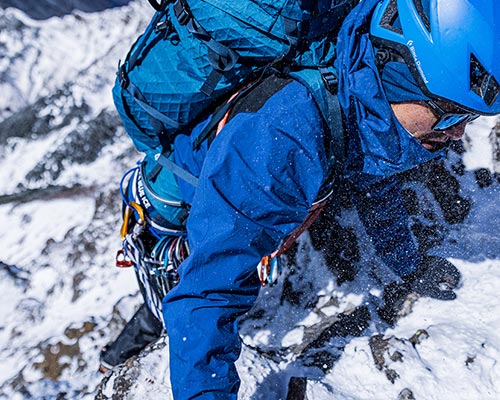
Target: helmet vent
{"type": "Point", "coordinates": [482, 83]}
{"type": "Point", "coordinates": [423, 10]}
{"type": "Point", "coordinates": [390, 19]}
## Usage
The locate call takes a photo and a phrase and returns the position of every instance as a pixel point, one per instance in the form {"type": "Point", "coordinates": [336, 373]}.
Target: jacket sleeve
{"type": "Point", "coordinates": [382, 211]}
{"type": "Point", "coordinates": [257, 184]}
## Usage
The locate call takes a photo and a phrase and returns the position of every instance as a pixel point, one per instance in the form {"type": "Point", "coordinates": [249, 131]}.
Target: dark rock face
{"type": "Point", "coordinates": [42, 9]}
{"type": "Point", "coordinates": [81, 146]}
{"type": "Point", "coordinates": [36, 120]}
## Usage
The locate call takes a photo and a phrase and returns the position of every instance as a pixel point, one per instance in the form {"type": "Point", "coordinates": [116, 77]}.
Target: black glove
{"type": "Point", "coordinates": [393, 299]}
{"type": "Point", "coordinates": [435, 277]}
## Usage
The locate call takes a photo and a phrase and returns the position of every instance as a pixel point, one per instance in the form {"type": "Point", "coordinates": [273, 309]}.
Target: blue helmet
{"type": "Point", "coordinates": [452, 47]}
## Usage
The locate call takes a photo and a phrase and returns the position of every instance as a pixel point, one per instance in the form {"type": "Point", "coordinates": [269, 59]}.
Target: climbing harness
{"type": "Point", "coordinates": [269, 267]}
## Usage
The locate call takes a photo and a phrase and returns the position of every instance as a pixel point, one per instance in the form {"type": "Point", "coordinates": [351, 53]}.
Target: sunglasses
{"type": "Point", "coordinates": [447, 120]}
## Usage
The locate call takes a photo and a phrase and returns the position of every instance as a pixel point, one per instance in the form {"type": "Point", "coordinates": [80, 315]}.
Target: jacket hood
{"type": "Point", "coordinates": [378, 145]}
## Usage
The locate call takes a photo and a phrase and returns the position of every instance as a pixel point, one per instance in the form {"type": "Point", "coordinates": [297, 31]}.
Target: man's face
{"type": "Point", "coordinates": [418, 119]}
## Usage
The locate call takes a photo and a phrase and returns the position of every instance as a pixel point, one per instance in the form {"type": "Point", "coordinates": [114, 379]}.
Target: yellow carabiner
{"type": "Point", "coordinates": [126, 217]}
{"type": "Point", "coordinates": [131, 206]}
{"type": "Point", "coordinates": [139, 210]}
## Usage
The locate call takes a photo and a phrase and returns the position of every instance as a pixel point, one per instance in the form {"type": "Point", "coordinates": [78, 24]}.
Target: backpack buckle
{"type": "Point", "coordinates": [182, 12]}
{"type": "Point", "coordinates": [163, 26]}
{"type": "Point", "coordinates": [329, 79]}
{"type": "Point", "coordinates": [123, 76]}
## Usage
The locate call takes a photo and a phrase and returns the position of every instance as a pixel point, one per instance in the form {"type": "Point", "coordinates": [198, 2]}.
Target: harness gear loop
{"type": "Point", "coordinates": [269, 266]}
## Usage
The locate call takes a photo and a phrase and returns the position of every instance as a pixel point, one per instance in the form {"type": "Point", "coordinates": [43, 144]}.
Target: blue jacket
{"type": "Point", "coordinates": [257, 182]}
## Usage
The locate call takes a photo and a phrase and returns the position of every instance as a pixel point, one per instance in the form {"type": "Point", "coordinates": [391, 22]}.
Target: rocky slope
{"type": "Point", "coordinates": [42, 9]}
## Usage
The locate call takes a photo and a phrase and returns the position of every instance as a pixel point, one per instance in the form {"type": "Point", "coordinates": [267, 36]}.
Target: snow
{"type": "Point", "coordinates": [21, 158]}
{"type": "Point", "coordinates": [66, 245]}
{"type": "Point", "coordinates": [30, 226]}
{"type": "Point", "coordinates": [477, 145]}
{"type": "Point", "coordinates": [80, 48]}
{"type": "Point", "coordinates": [466, 328]}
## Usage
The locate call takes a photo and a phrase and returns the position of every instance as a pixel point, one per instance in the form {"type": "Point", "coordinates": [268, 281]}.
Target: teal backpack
{"type": "Point", "coordinates": [194, 54]}
{"type": "Point", "coordinates": [192, 58]}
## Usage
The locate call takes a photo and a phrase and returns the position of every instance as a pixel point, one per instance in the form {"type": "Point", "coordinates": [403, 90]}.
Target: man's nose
{"type": "Point", "coordinates": [456, 132]}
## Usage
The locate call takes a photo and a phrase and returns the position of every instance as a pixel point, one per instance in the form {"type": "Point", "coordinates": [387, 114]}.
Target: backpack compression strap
{"type": "Point", "coordinates": [157, 119]}
{"type": "Point", "coordinates": [318, 24]}
{"type": "Point", "coordinates": [221, 58]}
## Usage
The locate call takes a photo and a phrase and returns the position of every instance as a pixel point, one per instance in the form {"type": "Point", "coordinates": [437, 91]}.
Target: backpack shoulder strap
{"type": "Point", "coordinates": [323, 85]}
{"type": "Point", "coordinates": [248, 99]}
